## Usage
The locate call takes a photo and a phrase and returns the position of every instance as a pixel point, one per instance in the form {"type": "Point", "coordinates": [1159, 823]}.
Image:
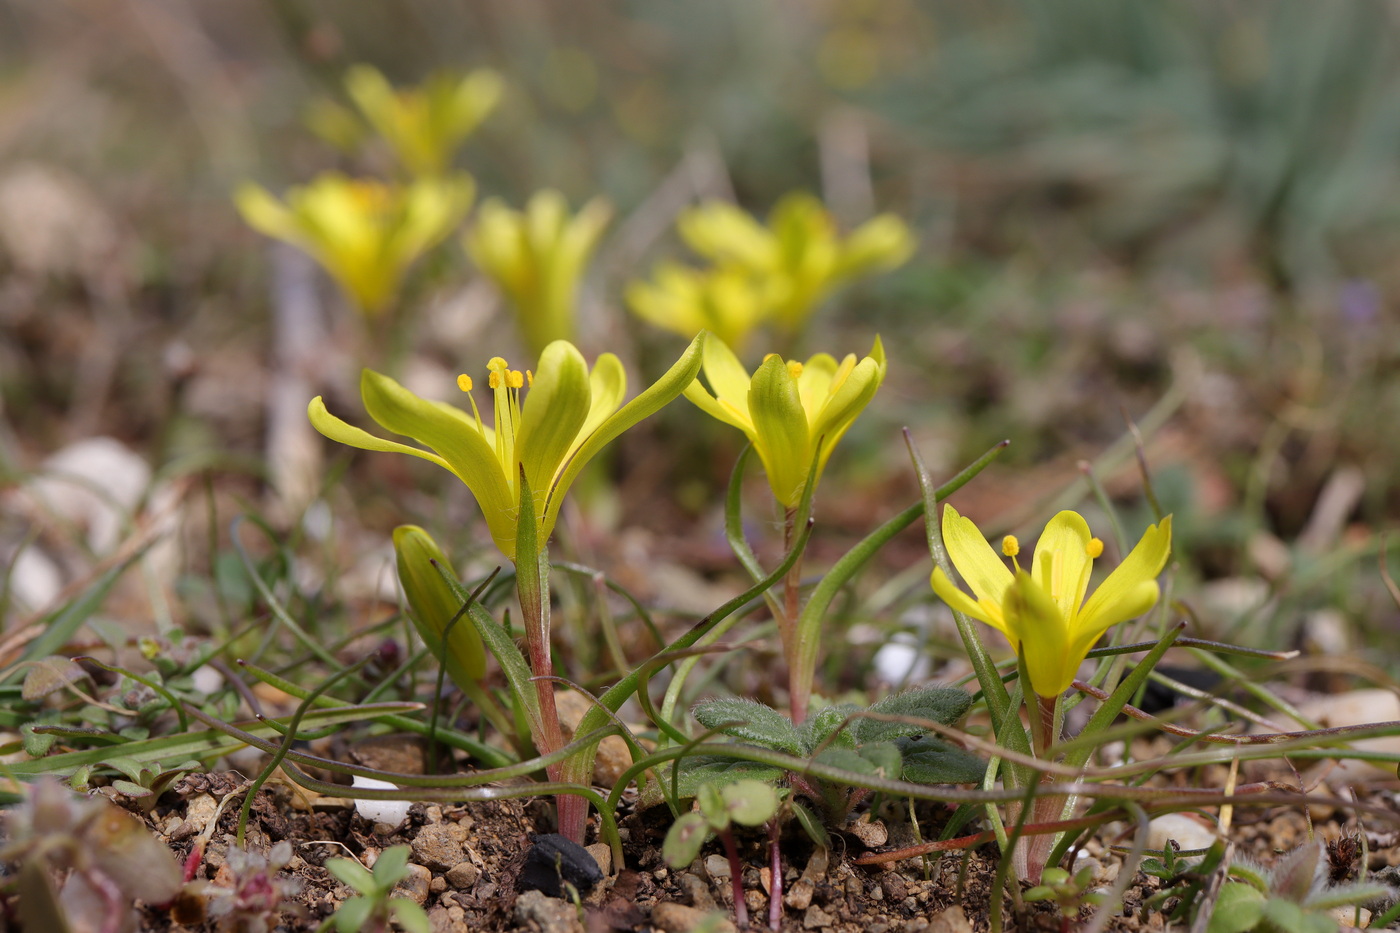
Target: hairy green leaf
{"type": "Point", "coordinates": [945, 705]}
{"type": "Point", "coordinates": [750, 721]}
{"type": "Point", "coordinates": [933, 761]}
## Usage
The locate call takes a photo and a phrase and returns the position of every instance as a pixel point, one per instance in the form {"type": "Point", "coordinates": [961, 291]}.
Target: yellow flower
{"type": "Point", "coordinates": [425, 125]}
{"type": "Point", "coordinates": [568, 415]}
{"type": "Point", "coordinates": [800, 249]}
{"type": "Point", "coordinates": [364, 233]}
{"type": "Point", "coordinates": [1045, 610]}
{"type": "Point", "coordinates": [537, 257]}
{"type": "Point", "coordinates": [792, 412]}
{"type": "Point", "coordinates": [728, 302]}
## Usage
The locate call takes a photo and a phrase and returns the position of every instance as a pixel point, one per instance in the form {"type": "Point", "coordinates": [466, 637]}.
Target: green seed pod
{"type": "Point", "coordinates": [433, 605]}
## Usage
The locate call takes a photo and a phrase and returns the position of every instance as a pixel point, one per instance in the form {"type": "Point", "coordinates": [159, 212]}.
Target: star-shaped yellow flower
{"type": "Point", "coordinates": [792, 412]}
{"type": "Point", "coordinates": [1045, 610]}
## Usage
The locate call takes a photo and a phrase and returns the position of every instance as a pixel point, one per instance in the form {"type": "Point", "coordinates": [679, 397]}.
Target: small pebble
{"type": "Point", "coordinates": [717, 867]}
{"type": "Point", "coordinates": [1187, 832]}
{"type": "Point", "coordinates": [816, 918]}
{"type": "Point", "coordinates": [462, 875]}
{"type": "Point", "coordinates": [678, 918]}
{"type": "Point", "coordinates": [415, 885]}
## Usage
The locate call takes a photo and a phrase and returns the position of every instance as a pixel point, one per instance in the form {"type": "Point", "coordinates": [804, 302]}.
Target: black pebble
{"type": "Point", "coordinates": [554, 860]}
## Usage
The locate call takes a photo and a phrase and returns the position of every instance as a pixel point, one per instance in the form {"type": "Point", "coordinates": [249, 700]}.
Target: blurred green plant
{"type": "Point", "coordinates": [1291, 896]}
{"type": "Point", "coordinates": [364, 233]}
{"type": "Point", "coordinates": [537, 257]}
{"type": "Point", "coordinates": [423, 126]}
{"type": "Point", "coordinates": [109, 858]}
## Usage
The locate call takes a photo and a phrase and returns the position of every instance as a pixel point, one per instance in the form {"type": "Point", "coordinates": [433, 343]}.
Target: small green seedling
{"type": "Point", "coordinates": [1292, 896]}
{"type": "Point", "coordinates": [1069, 892]}
{"type": "Point", "coordinates": [746, 802]}
{"type": "Point", "coordinates": [373, 909]}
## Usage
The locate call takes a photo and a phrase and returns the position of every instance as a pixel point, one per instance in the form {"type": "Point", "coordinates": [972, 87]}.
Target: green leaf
{"type": "Point", "coordinates": [749, 802]}
{"type": "Point", "coordinates": [410, 916]}
{"type": "Point", "coordinates": [684, 839]}
{"type": "Point", "coordinates": [886, 757]}
{"type": "Point", "coordinates": [1286, 915]}
{"type": "Point", "coordinates": [392, 866]}
{"type": "Point", "coordinates": [944, 705]}
{"type": "Point", "coordinates": [712, 807]}
{"type": "Point", "coordinates": [49, 675]}
{"type": "Point", "coordinates": [846, 759]}
{"type": "Point", "coordinates": [933, 761]}
{"type": "Point", "coordinates": [1238, 909]}
{"type": "Point", "coordinates": [822, 724]}
{"type": "Point", "coordinates": [353, 915]}
{"type": "Point", "coordinates": [350, 872]}
{"type": "Point", "coordinates": [698, 770]}
{"type": "Point", "coordinates": [130, 789]}
{"type": "Point", "coordinates": [750, 721]}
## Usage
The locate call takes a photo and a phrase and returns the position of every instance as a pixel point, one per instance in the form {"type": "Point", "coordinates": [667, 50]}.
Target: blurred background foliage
{"type": "Point", "coordinates": [1187, 212]}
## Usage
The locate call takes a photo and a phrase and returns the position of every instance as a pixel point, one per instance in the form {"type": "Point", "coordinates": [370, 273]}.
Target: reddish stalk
{"type": "Point", "coordinates": [798, 697]}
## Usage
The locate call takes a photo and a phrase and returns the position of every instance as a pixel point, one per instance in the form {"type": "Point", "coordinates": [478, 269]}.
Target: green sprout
{"type": "Point", "coordinates": [374, 907]}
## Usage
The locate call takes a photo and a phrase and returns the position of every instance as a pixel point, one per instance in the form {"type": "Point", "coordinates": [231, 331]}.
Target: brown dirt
{"type": "Point", "coordinates": [948, 895]}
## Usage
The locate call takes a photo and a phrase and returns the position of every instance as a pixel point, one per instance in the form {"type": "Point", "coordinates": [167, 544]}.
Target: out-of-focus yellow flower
{"type": "Point", "coordinates": [364, 233]}
{"type": "Point", "coordinates": [567, 416]}
{"type": "Point", "coordinates": [1043, 613]}
{"type": "Point", "coordinates": [800, 249]}
{"type": "Point", "coordinates": [537, 257]}
{"type": "Point", "coordinates": [792, 412]}
{"type": "Point", "coordinates": [728, 302]}
{"type": "Point", "coordinates": [425, 125]}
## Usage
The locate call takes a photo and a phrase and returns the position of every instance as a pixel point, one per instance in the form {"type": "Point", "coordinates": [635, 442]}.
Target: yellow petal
{"type": "Point", "coordinates": [961, 602]}
{"type": "Point", "coordinates": [1061, 565]}
{"type": "Point", "coordinates": [555, 409]}
{"type": "Point", "coordinates": [780, 426]}
{"type": "Point", "coordinates": [607, 384]}
{"type": "Point", "coordinates": [707, 403]}
{"type": "Point", "coordinates": [344, 433]}
{"type": "Point", "coordinates": [453, 435]}
{"type": "Point", "coordinates": [979, 565]}
{"type": "Point", "coordinates": [1131, 589]}
{"type": "Point", "coordinates": [727, 377]}
{"type": "Point", "coordinates": [1044, 638]}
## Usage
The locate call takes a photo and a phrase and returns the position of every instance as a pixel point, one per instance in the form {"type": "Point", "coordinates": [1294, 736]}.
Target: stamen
{"type": "Point", "coordinates": [494, 380]}
{"type": "Point", "coordinates": [794, 368]}
{"type": "Point", "coordinates": [1094, 548]}
{"type": "Point", "coordinates": [464, 382]}
{"type": "Point", "coordinates": [1010, 546]}
{"type": "Point", "coordinates": [515, 378]}
{"type": "Point", "coordinates": [529, 378]}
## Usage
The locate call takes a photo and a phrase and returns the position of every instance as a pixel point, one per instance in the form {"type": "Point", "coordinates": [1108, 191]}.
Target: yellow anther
{"type": "Point", "coordinates": [515, 378]}
{"type": "Point", "coordinates": [494, 380]}
{"type": "Point", "coordinates": [1094, 548]}
{"type": "Point", "coordinates": [1010, 546]}
{"type": "Point", "coordinates": [529, 378]}
{"type": "Point", "coordinates": [464, 382]}
{"type": "Point", "coordinates": [794, 368]}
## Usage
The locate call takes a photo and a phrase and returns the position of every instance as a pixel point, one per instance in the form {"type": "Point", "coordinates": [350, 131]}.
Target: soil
{"type": "Point", "coordinates": [467, 860]}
